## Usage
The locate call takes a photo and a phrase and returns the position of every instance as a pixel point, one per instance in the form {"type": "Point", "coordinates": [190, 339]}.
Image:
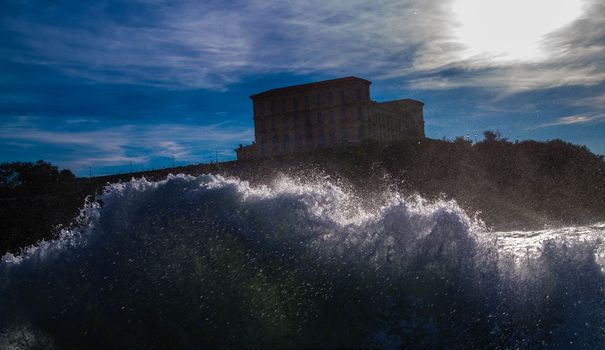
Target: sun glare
{"type": "Point", "coordinates": [511, 29]}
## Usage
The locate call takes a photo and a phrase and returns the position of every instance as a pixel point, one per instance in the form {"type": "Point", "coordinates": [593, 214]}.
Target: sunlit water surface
{"type": "Point", "coordinates": [524, 244]}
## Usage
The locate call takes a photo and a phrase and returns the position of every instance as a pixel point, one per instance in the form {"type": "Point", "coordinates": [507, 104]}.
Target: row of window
{"type": "Point", "coordinates": [387, 128]}
{"type": "Point", "coordinates": [294, 121]}
{"type": "Point", "coordinates": [308, 140]}
{"type": "Point", "coordinates": [320, 99]}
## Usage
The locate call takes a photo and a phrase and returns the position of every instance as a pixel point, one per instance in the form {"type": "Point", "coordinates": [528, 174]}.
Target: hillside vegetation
{"type": "Point", "coordinates": [521, 185]}
{"type": "Point", "coordinates": [514, 185]}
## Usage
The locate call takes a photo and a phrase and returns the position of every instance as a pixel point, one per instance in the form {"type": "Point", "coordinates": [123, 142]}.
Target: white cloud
{"type": "Point", "coordinates": [485, 27]}
{"type": "Point", "coordinates": [129, 143]}
{"type": "Point", "coordinates": [82, 121]}
{"type": "Point", "coordinates": [577, 119]}
{"type": "Point", "coordinates": [192, 44]}
{"type": "Point", "coordinates": [592, 101]}
{"type": "Point", "coordinates": [516, 78]}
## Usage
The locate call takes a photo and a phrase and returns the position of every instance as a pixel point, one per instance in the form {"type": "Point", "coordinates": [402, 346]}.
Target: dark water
{"type": "Point", "coordinates": [208, 262]}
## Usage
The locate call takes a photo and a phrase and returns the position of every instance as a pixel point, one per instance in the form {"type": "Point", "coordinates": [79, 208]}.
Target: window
{"type": "Point", "coordinates": [361, 132]}
{"type": "Point", "coordinates": [295, 103]}
{"type": "Point", "coordinates": [345, 135]}
{"type": "Point", "coordinates": [342, 97]}
{"type": "Point", "coordinates": [285, 124]}
{"type": "Point", "coordinates": [318, 99]}
{"type": "Point", "coordinates": [261, 108]}
{"type": "Point", "coordinates": [309, 138]}
{"type": "Point", "coordinates": [359, 114]}
{"type": "Point", "coordinates": [296, 121]}
{"type": "Point", "coordinates": [275, 144]}
{"type": "Point", "coordinates": [332, 136]}
{"type": "Point", "coordinates": [321, 139]}
{"type": "Point", "coordinates": [306, 102]}
{"type": "Point", "coordinates": [260, 125]}
{"type": "Point", "coordinates": [263, 147]}
{"type": "Point", "coordinates": [286, 143]}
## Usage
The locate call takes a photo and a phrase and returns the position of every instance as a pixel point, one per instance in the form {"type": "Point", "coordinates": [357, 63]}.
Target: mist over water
{"type": "Point", "coordinates": [205, 262]}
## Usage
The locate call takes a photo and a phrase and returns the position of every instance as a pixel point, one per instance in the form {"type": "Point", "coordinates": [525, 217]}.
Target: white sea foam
{"type": "Point", "coordinates": [209, 261]}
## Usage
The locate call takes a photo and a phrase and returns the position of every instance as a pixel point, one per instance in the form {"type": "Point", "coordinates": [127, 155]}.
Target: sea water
{"type": "Point", "coordinates": [213, 262]}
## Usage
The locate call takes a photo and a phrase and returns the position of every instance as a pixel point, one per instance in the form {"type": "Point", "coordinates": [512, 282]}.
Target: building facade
{"type": "Point", "coordinates": [328, 113]}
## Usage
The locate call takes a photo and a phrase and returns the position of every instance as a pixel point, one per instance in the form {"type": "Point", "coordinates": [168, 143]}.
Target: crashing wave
{"type": "Point", "coordinates": [208, 261]}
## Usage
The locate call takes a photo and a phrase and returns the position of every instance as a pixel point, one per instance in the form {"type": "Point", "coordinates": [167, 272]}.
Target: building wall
{"type": "Point", "coordinates": [247, 152]}
{"type": "Point", "coordinates": [396, 120]}
{"type": "Point", "coordinates": [327, 114]}
{"type": "Point", "coordinates": [311, 117]}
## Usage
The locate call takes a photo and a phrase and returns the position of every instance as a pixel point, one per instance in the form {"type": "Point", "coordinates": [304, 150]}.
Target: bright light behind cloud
{"type": "Point", "coordinates": [511, 29]}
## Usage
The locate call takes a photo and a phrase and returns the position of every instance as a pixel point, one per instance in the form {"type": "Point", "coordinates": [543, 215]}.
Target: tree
{"type": "Point", "coordinates": [35, 199]}
{"type": "Point", "coordinates": [461, 140]}
{"type": "Point", "coordinates": [31, 177]}
{"type": "Point", "coordinates": [491, 136]}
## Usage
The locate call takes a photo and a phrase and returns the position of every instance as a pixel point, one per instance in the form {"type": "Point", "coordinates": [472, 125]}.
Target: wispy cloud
{"type": "Point", "coordinates": [129, 143]}
{"type": "Point", "coordinates": [577, 119]}
{"type": "Point", "coordinates": [522, 77]}
{"type": "Point", "coordinates": [597, 101]}
{"type": "Point", "coordinates": [82, 121]}
{"type": "Point", "coordinates": [188, 43]}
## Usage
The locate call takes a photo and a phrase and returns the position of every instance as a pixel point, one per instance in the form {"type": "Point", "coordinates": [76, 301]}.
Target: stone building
{"type": "Point", "coordinates": [327, 113]}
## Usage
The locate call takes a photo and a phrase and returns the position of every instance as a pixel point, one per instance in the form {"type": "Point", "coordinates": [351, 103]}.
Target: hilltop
{"type": "Point", "coordinates": [520, 185]}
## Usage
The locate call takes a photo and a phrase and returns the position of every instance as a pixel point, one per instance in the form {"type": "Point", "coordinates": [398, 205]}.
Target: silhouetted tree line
{"type": "Point", "coordinates": [35, 199]}
{"type": "Point", "coordinates": [514, 185]}
{"type": "Point", "coordinates": [30, 178]}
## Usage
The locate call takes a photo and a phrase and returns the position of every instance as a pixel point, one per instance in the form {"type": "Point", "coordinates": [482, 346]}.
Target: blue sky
{"type": "Point", "coordinates": [105, 83]}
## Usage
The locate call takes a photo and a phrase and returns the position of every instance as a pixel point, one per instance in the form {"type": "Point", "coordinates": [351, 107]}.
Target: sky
{"type": "Point", "coordinates": [95, 86]}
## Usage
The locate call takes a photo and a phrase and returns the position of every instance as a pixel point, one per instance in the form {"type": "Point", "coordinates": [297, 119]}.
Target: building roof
{"type": "Point", "coordinates": [403, 100]}
{"type": "Point", "coordinates": [337, 81]}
